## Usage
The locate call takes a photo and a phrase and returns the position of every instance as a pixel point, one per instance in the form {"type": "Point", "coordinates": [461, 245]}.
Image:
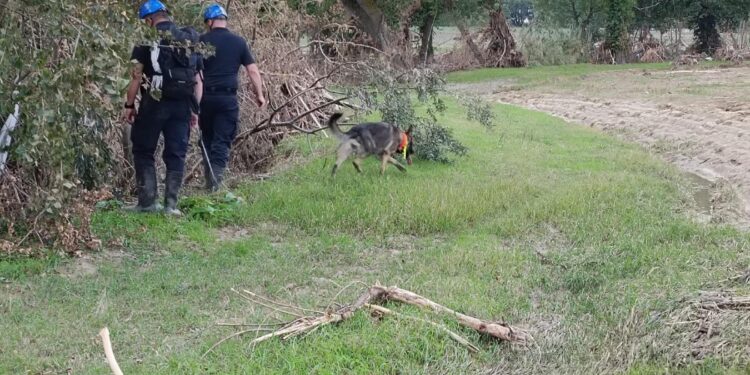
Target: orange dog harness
{"type": "Point", "coordinates": [404, 144]}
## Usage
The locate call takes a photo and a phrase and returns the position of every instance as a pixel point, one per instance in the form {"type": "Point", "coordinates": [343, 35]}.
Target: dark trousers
{"type": "Point", "coordinates": [170, 117]}
{"type": "Point", "coordinates": [218, 122]}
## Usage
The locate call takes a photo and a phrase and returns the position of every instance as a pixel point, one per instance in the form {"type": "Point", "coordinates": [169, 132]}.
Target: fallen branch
{"type": "Point", "coordinates": [292, 313]}
{"type": "Point", "coordinates": [305, 325]}
{"type": "Point", "coordinates": [253, 295]}
{"type": "Point", "coordinates": [722, 301]}
{"type": "Point", "coordinates": [104, 333]}
{"type": "Point", "coordinates": [236, 334]}
{"type": "Point", "coordinates": [497, 330]}
{"type": "Point", "coordinates": [743, 278]}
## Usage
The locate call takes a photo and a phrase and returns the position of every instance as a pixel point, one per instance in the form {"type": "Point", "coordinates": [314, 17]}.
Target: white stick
{"type": "Point", "coordinates": [104, 333]}
{"type": "Point", "coordinates": [5, 139]}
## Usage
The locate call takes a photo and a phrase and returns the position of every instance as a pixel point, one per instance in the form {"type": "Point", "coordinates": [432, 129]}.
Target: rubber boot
{"type": "Point", "coordinates": [145, 177]}
{"type": "Point", "coordinates": [172, 187]}
{"type": "Point", "coordinates": [219, 176]}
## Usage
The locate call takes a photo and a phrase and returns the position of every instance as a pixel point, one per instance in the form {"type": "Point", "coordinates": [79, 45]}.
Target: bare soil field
{"type": "Point", "coordinates": [698, 119]}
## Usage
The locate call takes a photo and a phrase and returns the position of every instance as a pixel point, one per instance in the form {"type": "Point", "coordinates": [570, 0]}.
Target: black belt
{"type": "Point", "coordinates": [221, 90]}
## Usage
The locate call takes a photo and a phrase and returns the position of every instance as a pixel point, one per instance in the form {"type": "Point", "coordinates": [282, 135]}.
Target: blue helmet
{"type": "Point", "coordinates": [150, 7]}
{"type": "Point", "coordinates": [213, 12]}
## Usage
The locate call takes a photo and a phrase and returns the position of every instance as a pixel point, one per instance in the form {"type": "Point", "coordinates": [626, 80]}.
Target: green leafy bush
{"type": "Point", "coordinates": [414, 99]}
{"type": "Point", "coordinates": [66, 63]}
{"type": "Point", "coordinates": [211, 208]}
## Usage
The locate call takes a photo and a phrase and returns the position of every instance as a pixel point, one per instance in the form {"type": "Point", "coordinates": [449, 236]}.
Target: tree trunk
{"type": "Point", "coordinates": [370, 18]}
{"type": "Point", "coordinates": [466, 35]}
{"type": "Point", "coordinates": [426, 49]}
{"type": "Point", "coordinates": [406, 21]}
{"type": "Point", "coordinates": [502, 50]}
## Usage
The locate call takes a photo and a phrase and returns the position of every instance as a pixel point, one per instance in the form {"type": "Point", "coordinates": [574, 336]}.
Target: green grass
{"type": "Point", "coordinates": [544, 73]}
{"type": "Point", "coordinates": [619, 253]}
{"type": "Point", "coordinates": [554, 73]}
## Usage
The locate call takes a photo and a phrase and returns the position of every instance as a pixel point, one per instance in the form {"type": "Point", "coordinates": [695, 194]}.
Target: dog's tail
{"type": "Point", "coordinates": [334, 126]}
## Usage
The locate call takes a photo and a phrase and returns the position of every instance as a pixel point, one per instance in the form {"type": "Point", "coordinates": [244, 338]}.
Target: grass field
{"type": "Point", "coordinates": [585, 241]}
{"type": "Point", "coordinates": [543, 73]}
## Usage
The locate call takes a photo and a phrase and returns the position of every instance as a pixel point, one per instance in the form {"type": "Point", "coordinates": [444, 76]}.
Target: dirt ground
{"type": "Point", "coordinates": [697, 119]}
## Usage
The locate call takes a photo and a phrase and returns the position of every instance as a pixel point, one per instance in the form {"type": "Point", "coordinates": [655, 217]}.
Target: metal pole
{"type": "Point", "coordinates": [207, 159]}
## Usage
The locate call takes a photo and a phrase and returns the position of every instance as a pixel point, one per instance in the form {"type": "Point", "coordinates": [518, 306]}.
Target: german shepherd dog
{"type": "Point", "coordinates": [373, 138]}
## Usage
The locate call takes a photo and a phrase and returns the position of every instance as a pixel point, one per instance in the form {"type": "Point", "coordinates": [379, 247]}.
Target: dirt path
{"type": "Point", "coordinates": [699, 120]}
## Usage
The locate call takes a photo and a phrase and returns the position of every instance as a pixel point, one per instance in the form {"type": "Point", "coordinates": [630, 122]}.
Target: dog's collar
{"type": "Point", "coordinates": [404, 144]}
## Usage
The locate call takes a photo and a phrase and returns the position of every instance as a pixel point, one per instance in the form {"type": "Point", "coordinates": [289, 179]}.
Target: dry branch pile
{"type": "Point", "coordinates": [307, 321]}
{"type": "Point", "coordinates": [715, 324]}
{"type": "Point", "coordinates": [650, 50]}
{"type": "Point", "coordinates": [294, 85]}
{"type": "Point", "coordinates": [496, 47]}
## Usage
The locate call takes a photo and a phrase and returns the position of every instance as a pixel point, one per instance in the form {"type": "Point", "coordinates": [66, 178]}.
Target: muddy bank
{"type": "Point", "coordinates": [698, 120]}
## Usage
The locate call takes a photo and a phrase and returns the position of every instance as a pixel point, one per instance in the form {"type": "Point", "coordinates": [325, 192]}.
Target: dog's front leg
{"type": "Point", "coordinates": [397, 164]}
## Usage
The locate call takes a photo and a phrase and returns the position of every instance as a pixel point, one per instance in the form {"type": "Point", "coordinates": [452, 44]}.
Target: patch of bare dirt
{"type": "Point", "coordinates": [698, 120]}
{"type": "Point", "coordinates": [88, 264]}
{"type": "Point", "coordinates": [551, 240]}
{"type": "Point", "coordinates": [275, 231]}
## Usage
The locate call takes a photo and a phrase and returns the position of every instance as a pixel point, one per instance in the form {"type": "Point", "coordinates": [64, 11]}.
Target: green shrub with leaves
{"type": "Point", "coordinates": [213, 208]}
{"type": "Point", "coordinates": [552, 45]}
{"type": "Point", "coordinates": [620, 15]}
{"type": "Point", "coordinates": [414, 99]}
{"type": "Point", "coordinates": [66, 63]}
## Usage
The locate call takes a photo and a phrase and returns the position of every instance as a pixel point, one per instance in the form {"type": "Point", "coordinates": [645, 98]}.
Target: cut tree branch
{"type": "Point", "coordinates": [498, 330]}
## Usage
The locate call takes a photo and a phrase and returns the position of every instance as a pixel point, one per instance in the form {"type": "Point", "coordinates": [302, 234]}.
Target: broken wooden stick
{"type": "Point", "coordinates": [498, 330]}
{"type": "Point", "coordinates": [104, 333]}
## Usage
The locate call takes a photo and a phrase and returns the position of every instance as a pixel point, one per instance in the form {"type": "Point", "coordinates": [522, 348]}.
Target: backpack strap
{"type": "Point", "coordinates": [157, 79]}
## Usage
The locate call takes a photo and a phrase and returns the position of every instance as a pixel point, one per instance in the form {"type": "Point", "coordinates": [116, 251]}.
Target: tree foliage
{"type": "Point", "coordinates": [706, 17]}
{"type": "Point", "coordinates": [414, 99]}
{"type": "Point", "coordinates": [66, 63]}
{"type": "Point", "coordinates": [619, 18]}
{"type": "Point", "coordinates": [587, 16]}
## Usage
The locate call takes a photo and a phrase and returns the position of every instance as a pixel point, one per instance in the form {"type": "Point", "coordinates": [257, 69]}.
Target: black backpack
{"type": "Point", "coordinates": [179, 63]}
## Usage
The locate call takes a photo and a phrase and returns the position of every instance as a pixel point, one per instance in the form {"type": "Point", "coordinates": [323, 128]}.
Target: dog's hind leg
{"type": "Point", "coordinates": [383, 163]}
{"type": "Point", "coordinates": [345, 150]}
{"type": "Point", "coordinates": [357, 164]}
{"type": "Point", "coordinates": [397, 164]}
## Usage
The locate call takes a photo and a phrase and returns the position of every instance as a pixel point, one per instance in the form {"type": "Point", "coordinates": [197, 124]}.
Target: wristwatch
{"type": "Point", "coordinates": [129, 106]}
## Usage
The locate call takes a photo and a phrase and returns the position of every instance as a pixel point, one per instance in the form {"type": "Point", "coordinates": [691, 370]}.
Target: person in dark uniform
{"type": "Point", "coordinates": [168, 106]}
{"type": "Point", "coordinates": [219, 108]}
